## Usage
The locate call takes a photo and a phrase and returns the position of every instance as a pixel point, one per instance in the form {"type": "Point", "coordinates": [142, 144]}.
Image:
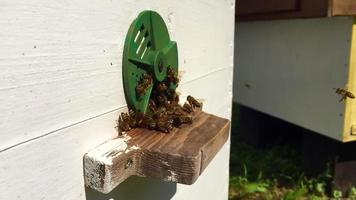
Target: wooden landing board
{"type": "Point", "coordinates": [180, 156]}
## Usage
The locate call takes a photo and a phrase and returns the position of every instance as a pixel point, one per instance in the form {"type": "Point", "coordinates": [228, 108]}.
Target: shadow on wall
{"type": "Point", "coordinates": [136, 188]}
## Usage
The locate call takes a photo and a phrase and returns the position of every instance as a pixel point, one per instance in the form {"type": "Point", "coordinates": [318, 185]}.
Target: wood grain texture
{"type": "Point", "coordinates": [288, 69]}
{"type": "Point", "coordinates": [248, 7]}
{"type": "Point", "coordinates": [343, 7]}
{"type": "Point", "coordinates": [306, 9]}
{"type": "Point", "coordinates": [248, 10]}
{"type": "Point", "coordinates": [180, 156]}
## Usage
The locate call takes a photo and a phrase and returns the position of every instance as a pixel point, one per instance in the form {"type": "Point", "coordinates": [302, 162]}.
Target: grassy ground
{"type": "Point", "coordinates": [276, 173]}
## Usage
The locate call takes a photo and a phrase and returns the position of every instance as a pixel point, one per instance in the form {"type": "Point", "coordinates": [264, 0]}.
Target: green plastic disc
{"type": "Point", "coordinates": [148, 51]}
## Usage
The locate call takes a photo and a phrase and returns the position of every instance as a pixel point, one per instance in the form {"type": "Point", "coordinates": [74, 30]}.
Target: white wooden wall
{"type": "Point", "coordinates": [288, 69]}
{"type": "Point", "coordinates": [61, 90]}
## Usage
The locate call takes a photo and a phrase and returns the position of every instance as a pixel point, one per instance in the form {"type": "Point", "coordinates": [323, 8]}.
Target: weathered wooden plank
{"type": "Point", "coordinates": [180, 156]}
{"type": "Point", "coordinates": [343, 7]}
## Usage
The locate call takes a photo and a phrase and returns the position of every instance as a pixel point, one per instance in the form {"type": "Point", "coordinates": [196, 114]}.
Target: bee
{"type": "Point", "coordinates": [172, 95]}
{"type": "Point", "coordinates": [139, 119]}
{"type": "Point", "coordinates": [145, 82]}
{"type": "Point", "coordinates": [152, 105]}
{"type": "Point", "coordinates": [161, 87]}
{"type": "Point", "coordinates": [187, 107]}
{"type": "Point", "coordinates": [123, 123]}
{"type": "Point", "coordinates": [170, 108]}
{"type": "Point", "coordinates": [175, 99]}
{"type": "Point", "coordinates": [164, 124]}
{"type": "Point", "coordinates": [164, 111]}
{"type": "Point", "coordinates": [160, 113]}
{"type": "Point", "coordinates": [182, 119]}
{"type": "Point", "coordinates": [148, 122]}
{"type": "Point", "coordinates": [132, 116]}
{"type": "Point", "coordinates": [177, 122]}
{"type": "Point", "coordinates": [186, 119]}
{"type": "Point", "coordinates": [193, 102]}
{"type": "Point", "coordinates": [178, 111]}
{"type": "Point", "coordinates": [344, 93]}
{"type": "Point", "coordinates": [162, 100]}
{"type": "Point", "coordinates": [172, 76]}
{"type": "Point", "coordinates": [145, 121]}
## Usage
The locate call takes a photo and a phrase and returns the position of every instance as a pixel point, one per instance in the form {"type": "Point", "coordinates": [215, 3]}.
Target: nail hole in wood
{"type": "Point", "coordinates": [129, 163]}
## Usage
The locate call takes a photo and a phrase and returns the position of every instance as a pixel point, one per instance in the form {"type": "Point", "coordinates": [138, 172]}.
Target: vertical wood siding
{"type": "Point", "coordinates": [61, 90]}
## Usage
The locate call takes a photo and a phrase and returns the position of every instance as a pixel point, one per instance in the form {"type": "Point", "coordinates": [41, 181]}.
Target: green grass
{"type": "Point", "coordinates": [275, 173]}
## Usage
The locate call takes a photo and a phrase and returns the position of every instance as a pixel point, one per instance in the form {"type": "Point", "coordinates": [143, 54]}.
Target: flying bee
{"type": "Point", "coordinates": [344, 93]}
{"type": "Point", "coordinates": [144, 83]}
{"type": "Point", "coordinates": [193, 102]}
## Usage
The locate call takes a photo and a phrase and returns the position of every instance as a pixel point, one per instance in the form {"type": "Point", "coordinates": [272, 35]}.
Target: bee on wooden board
{"type": "Point", "coordinates": [344, 94]}
{"type": "Point", "coordinates": [187, 107]}
{"type": "Point", "coordinates": [123, 123]}
{"type": "Point", "coordinates": [145, 121]}
{"type": "Point", "coordinates": [193, 102]}
{"type": "Point", "coordinates": [164, 112]}
{"type": "Point", "coordinates": [133, 120]}
{"type": "Point", "coordinates": [164, 124]}
{"type": "Point", "coordinates": [186, 119]}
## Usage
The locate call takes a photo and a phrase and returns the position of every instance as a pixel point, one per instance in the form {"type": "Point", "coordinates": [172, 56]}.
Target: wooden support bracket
{"type": "Point", "coordinates": [180, 156]}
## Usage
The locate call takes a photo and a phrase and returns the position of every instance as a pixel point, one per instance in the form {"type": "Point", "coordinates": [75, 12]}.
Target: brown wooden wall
{"type": "Point", "coordinates": [287, 9]}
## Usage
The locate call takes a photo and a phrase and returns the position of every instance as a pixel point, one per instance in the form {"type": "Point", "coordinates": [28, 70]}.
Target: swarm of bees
{"type": "Point", "coordinates": [344, 94]}
{"type": "Point", "coordinates": [164, 111]}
